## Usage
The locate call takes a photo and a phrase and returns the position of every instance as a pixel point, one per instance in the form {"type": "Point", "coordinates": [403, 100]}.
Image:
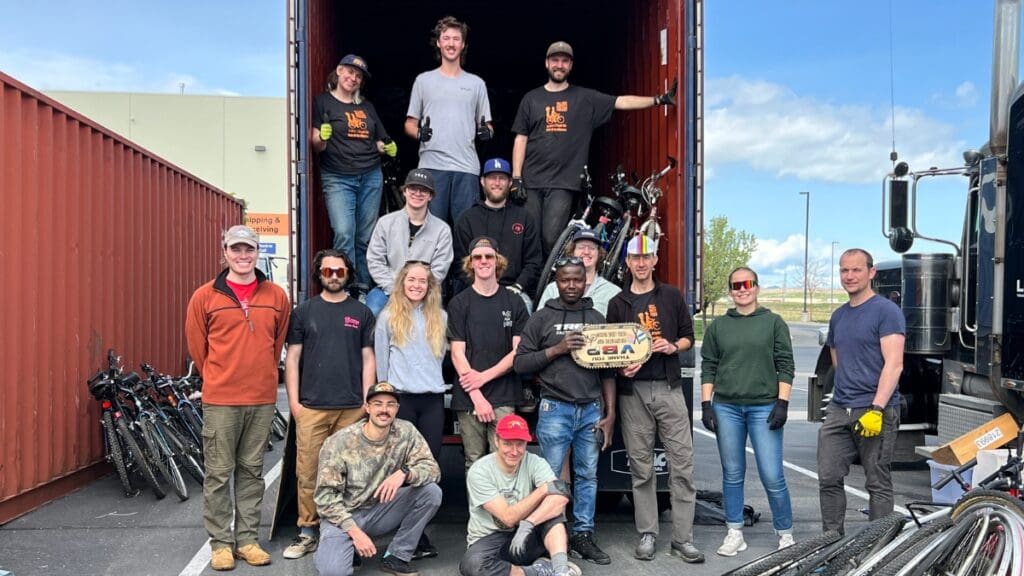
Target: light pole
{"type": "Point", "coordinates": [807, 227]}
{"type": "Point", "coordinates": [832, 273]}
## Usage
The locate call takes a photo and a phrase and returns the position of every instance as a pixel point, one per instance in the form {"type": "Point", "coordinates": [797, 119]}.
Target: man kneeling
{"type": "Point", "coordinates": [375, 476]}
{"type": "Point", "coordinates": [516, 511]}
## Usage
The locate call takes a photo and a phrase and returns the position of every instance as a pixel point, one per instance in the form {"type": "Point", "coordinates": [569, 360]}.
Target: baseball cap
{"type": "Point", "coordinates": [586, 234]}
{"type": "Point", "coordinates": [482, 241]}
{"type": "Point", "coordinates": [497, 165]}
{"type": "Point", "coordinates": [641, 245]}
{"type": "Point", "coordinates": [240, 234]}
{"type": "Point", "coordinates": [381, 388]}
{"type": "Point", "coordinates": [560, 48]}
{"type": "Point", "coordinates": [355, 62]}
{"type": "Point", "coordinates": [513, 427]}
{"type": "Point", "coordinates": [419, 177]}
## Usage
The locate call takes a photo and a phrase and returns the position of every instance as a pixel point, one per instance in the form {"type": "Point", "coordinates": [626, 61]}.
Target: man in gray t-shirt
{"type": "Point", "coordinates": [448, 109]}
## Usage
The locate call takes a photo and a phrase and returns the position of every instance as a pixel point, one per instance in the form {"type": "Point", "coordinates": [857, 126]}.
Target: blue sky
{"type": "Point", "coordinates": [797, 96]}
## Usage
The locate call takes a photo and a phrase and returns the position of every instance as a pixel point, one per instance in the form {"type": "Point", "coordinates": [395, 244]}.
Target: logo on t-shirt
{"type": "Point", "coordinates": [568, 327]}
{"type": "Point", "coordinates": [518, 228]}
{"type": "Point", "coordinates": [555, 117]}
{"type": "Point", "coordinates": [357, 125]}
{"type": "Point", "coordinates": [649, 320]}
{"type": "Point", "coordinates": [351, 322]}
{"type": "Point", "coordinates": [506, 318]}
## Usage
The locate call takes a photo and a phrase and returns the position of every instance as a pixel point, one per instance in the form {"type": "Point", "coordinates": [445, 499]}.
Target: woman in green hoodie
{"type": "Point", "coordinates": [747, 367]}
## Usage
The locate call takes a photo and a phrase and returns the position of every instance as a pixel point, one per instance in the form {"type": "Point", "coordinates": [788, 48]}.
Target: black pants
{"type": "Point", "coordinates": [551, 209]}
{"type": "Point", "coordinates": [426, 412]}
{"type": "Point", "coordinates": [490, 556]}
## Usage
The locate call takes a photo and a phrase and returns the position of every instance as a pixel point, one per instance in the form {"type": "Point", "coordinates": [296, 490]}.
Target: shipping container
{"type": "Point", "coordinates": [103, 245]}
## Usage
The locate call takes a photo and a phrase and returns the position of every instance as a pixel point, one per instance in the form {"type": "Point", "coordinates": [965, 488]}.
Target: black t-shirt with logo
{"type": "Point", "coordinates": [559, 126]}
{"type": "Point", "coordinates": [487, 324]}
{"type": "Point", "coordinates": [332, 335]}
{"type": "Point", "coordinates": [645, 313]}
{"type": "Point", "coordinates": [356, 128]}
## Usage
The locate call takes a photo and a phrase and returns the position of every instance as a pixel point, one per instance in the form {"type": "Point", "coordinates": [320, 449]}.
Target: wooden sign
{"type": "Point", "coordinates": [613, 346]}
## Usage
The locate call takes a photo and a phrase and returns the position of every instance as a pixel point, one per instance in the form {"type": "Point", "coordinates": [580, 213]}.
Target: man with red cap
{"type": "Point", "coordinates": [516, 511]}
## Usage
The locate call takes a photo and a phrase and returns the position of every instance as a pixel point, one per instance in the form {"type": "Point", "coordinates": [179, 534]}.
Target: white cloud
{"type": "Point", "coordinates": [966, 94]}
{"type": "Point", "coordinates": [770, 128]}
{"type": "Point", "coordinates": [771, 253]}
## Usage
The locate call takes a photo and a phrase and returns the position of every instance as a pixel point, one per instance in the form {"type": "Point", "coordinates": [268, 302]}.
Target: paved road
{"type": "Point", "coordinates": [98, 531]}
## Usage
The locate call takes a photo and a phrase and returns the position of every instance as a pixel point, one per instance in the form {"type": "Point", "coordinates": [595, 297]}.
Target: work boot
{"type": "Point", "coordinates": [398, 567]}
{"type": "Point", "coordinates": [222, 559]}
{"type": "Point", "coordinates": [687, 552]}
{"type": "Point", "coordinates": [785, 541]}
{"type": "Point", "coordinates": [645, 549]}
{"type": "Point", "coordinates": [733, 543]}
{"type": "Point", "coordinates": [582, 545]}
{"type": "Point", "coordinates": [303, 544]}
{"type": "Point", "coordinates": [253, 555]}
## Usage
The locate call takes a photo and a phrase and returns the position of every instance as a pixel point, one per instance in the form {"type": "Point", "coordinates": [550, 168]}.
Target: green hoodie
{"type": "Point", "coordinates": [745, 357]}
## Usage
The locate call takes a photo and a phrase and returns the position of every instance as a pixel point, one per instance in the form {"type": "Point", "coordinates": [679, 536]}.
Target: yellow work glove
{"type": "Point", "coordinates": [391, 148]}
{"type": "Point", "coordinates": [869, 424]}
{"type": "Point", "coordinates": [325, 131]}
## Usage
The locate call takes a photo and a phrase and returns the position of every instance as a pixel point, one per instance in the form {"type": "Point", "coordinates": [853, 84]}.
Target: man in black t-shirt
{"type": "Point", "coordinates": [553, 128]}
{"type": "Point", "coordinates": [328, 369]}
{"type": "Point", "coordinates": [484, 324]}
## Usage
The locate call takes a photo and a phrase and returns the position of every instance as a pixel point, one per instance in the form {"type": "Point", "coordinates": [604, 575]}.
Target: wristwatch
{"type": "Point", "coordinates": [405, 470]}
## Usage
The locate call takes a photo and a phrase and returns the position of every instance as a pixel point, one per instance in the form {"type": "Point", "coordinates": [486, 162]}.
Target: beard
{"type": "Point", "coordinates": [562, 80]}
{"type": "Point", "coordinates": [334, 287]}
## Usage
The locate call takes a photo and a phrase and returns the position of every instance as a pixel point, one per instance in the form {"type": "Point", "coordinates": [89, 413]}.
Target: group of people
{"type": "Point", "coordinates": [365, 383]}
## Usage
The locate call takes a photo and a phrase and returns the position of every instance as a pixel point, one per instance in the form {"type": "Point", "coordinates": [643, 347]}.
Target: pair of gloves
{"type": "Point", "coordinates": [776, 419]}
{"type": "Point", "coordinates": [425, 132]}
{"type": "Point", "coordinates": [326, 131]}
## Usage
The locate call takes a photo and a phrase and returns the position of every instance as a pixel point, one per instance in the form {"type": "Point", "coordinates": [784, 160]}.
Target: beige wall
{"type": "Point", "coordinates": [213, 137]}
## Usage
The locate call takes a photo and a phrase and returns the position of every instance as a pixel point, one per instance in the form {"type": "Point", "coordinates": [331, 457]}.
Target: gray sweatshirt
{"type": "Point", "coordinates": [390, 248]}
{"type": "Point", "coordinates": [412, 368]}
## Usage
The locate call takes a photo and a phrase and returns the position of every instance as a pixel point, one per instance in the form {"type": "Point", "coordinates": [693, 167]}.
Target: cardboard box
{"type": "Point", "coordinates": [952, 491]}
{"type": "Point", "coordinates": [993, 434]}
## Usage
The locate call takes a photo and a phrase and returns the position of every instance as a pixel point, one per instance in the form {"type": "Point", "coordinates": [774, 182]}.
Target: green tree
{"type": "Point", "coordinates": [725, 248]}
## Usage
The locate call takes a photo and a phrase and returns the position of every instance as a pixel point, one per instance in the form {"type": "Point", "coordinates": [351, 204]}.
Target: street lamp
{"type": "Point", "coordinates": [832, 273]}
{"type": "Point", "coordinates": [807, 227]}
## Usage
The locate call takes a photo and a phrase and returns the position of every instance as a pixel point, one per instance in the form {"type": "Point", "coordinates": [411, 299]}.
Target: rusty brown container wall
{"type": "Point", "coordinates": [102, 246]}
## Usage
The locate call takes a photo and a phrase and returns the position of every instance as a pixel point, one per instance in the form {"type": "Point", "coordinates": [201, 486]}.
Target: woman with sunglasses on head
{"type": "Point", "coordinates": [746, 376]}
{"type": "Point", "coordinates": [586, 246]}
{"type": "Point", "coordinates": [410, 342]}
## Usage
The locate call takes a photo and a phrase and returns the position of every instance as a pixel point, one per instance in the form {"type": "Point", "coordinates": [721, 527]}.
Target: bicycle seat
{"type": "Point", "coordinates": [101, 387]}
{"type": "Point", "coordinates": [603, 207]}
{"type": "Point", "coordinates": [632, 196]}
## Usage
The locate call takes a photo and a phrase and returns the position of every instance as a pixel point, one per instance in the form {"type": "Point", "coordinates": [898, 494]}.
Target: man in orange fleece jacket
{"type": "Point", "coordinates": [235, 327]}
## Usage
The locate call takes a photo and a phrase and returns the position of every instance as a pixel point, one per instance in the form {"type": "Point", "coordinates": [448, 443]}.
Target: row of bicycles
{"type": "Point", "coordinates": [982, 534]}
{"type": "Point", "coordinates": [153, 426]}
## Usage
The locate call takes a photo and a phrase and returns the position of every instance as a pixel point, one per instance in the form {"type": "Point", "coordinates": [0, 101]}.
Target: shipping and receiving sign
{"type": "Point", "coordinates": [268, 224]}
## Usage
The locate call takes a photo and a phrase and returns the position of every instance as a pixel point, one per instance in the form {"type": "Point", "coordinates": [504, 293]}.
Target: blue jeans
{"type": "Point", "coordinates": [353, 203]}
{"type": "Point", "coordinates": [376, 300]}
{"type": "Point", "coordinates": [454, 193]}
{"type": "Point", "coordinates": [735, 423]}
{"type": "Point", "coordinates": [564, 424]}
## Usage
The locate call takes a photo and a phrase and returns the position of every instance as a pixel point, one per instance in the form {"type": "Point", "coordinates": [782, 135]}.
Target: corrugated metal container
{"type": "Point", "coordinates": [103, 244]}
{"type": "Point", "coordinates": [618, 44]}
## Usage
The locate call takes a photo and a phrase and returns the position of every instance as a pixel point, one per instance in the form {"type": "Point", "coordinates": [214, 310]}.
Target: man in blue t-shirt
{"type": "Point", "coordinates": [866, 340]}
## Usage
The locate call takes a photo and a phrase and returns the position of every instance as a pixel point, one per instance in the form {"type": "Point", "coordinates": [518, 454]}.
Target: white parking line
{"type": "Point", "coordinates": [801, 470]}
{"type": "Point", "coordinates": [198, 563]}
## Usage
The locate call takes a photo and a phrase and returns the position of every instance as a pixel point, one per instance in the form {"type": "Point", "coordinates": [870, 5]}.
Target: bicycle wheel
{"type": "Point", "coordinates": [612, 266]}
{"type": "Point", "coordinates": [185, 452]}
{"type": "Point", "coordinates": [279, 426]}
{"type": "Point", "coordinates": [548, 271]}
{"type": "Point", "coordinates": [924, 534]}
{"type": "Point", "coordinates": [139, 459]}
{"type": "Point", "coordinates": [193, 423]}
{"type": "Point", "coordinates": [163, 458]}
{"type": "Point", "coordinates": [982, 497]}
{"type": "Point", "coordinates": [777, 561]}
{"type": "Point", "coordinates": [872, 538]}
{"type": "Point", "coordinates": [115, 455]}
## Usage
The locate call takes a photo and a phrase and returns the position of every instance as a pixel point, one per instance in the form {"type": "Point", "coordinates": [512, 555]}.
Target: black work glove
{"type": "Point", "coordinates": [707, 416]}
{"type": "Point", "coordinates": [426, 132]}
{"type": "Point", "coordinates": [517, 192]}
{"type": "Point", "coordinates": [780, 412]}
{"type": "Point", "coordinates": [668, 98]}
{"type": "Point", "coordinates": [483, 131]}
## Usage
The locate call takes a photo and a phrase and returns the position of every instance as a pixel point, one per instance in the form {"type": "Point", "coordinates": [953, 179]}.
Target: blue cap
{"type": "Point", "coordinates": [497, 165]}
{"type": "Point", "coordinates": [356, 62]}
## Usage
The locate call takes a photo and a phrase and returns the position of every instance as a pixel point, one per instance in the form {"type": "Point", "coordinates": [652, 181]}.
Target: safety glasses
{"type": "Point", "coordinates": [743, 285]}
{"type": "Point", "coordinates": [327, 272]}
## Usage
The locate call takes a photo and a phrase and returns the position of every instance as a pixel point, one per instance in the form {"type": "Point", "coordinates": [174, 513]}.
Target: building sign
{"type": "Point", "coordinates": [268, 247]}
{"type": "Point", "coordinates": [268, 224]}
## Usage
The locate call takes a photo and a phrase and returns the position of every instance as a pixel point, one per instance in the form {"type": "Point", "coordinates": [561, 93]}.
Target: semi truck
{"type": "Point", "coordinates": [964, 306]}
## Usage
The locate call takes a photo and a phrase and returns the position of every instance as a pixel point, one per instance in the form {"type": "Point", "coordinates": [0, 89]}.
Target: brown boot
{"type": "Point", "coordinates": [253, 555]}
{"type": "Point", "coordinates": [222, 559]}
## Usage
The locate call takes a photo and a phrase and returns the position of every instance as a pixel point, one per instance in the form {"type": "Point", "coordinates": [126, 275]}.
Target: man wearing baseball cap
{"type": "Point", "coordinates": [553, 128]}
{"type": "Point", "coordinates": [516, 511]}
{"type": "Point", "coordinates": [652, 401]}
{"type": "Point", "coordinates": [412, 233]}
{"type": "Point", "coordinates": [508, 223]}
{"type": "Point", "coordinates": [235, 326]}
{"type": "Point", "coordinates": [376, 476]}
{"type": "Point", "coordinates": [586, 245]}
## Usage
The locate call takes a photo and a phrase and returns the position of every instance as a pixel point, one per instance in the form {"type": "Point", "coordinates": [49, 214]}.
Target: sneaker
{"type": "Point", "coordinates": [571, 569]}
{"type": "Point", "coordinates": [302, 545]}
{"type": "Point", "coordinates": [253, 555]}
{"type": "Point", "coordinates": [645, 549]}
{"type": "Point", "coordinates": [222, 559]}
{"type": "Point", "coordinates": [394, 565]}
{"type": "Point", "coordinates": [544, 568]}
{"type": "Point", "coordinates": [733, 543]}
{"type": "Point", "coordinates": [687, 552]}
{"type": "Point", "coordinates": [582, 546]}
{"type": "Point", "coordinates": [785, 541]}
{"type": "Point", "coordinates": [424, 549]}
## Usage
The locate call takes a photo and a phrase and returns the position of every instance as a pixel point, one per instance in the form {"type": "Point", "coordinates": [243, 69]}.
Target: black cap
{"type": "Point", "coordinates": [482, 241]}
{"type": "Point", "coordinates": [586, 234]}
{"type": "Point", "coordinates": [419, 177]}
{"type": "Point", "coordinates": [381, 388]}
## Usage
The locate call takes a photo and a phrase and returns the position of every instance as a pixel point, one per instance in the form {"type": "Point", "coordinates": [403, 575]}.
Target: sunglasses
{"type": "Point", "coordinates": [478, 257]}
{"type": "Point", "coordinates": [743, 285]}
{"type": "Point", "coordinates": [568, 261]}
{"type": "Point", "coordinates": [327, 272]}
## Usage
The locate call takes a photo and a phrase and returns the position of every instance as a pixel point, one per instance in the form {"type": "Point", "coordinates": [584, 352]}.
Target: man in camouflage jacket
{"type": "Point", "coordinates": [375, 476]}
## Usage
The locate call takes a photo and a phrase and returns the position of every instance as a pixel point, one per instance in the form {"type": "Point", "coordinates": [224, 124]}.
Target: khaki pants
{"type": "Point", "coordinates": [312, 428]}
{"type": "Point", "coordinates": [234, 442]}
{"type": "Point", "coordinates": [477, 436]}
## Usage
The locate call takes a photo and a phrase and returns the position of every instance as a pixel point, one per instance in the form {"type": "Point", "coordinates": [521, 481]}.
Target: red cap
{"type": "Point", "coordinates": [513, 427]}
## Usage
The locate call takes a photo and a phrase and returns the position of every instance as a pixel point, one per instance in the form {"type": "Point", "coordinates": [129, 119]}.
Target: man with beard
{"type": "Point", "coordinates": [448, 107]}
{"type": "Point", "coordinates": [328, 369]}
{"type": "Point", "coordinates": [553, 128]}
{"type": "Point", "coordinates": [510, 225]}
{"type": "Point", "coordinates": [577, 404]}
{"type": "Point", "coordinates": [375, 476]}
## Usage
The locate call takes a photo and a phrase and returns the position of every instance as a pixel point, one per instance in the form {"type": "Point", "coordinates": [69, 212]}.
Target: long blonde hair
{"type": "Point", "coordinates": [400, 311]}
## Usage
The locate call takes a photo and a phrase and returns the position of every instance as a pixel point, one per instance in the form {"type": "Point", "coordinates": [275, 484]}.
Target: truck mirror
{"type": "Point", "coordinates": [898, 204]}
{"type": "Point", "coordinates": [900, 239]}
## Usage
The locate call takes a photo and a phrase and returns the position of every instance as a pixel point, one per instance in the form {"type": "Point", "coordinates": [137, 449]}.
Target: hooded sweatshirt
{"type": "Point", "coordinates": [517, 236]}
{"type": "Point", "coordinates": [561, 378]}
{"type": "Point", "coordinates": [745, 357]}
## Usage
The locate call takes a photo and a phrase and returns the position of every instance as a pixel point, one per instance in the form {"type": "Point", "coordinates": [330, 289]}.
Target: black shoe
{"type": "Point", "coordinates": [582, 545]}
{"type": "Point", "coordinates": [424, 549]}
{"type": "Point", "coordinates": [393, 565]}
